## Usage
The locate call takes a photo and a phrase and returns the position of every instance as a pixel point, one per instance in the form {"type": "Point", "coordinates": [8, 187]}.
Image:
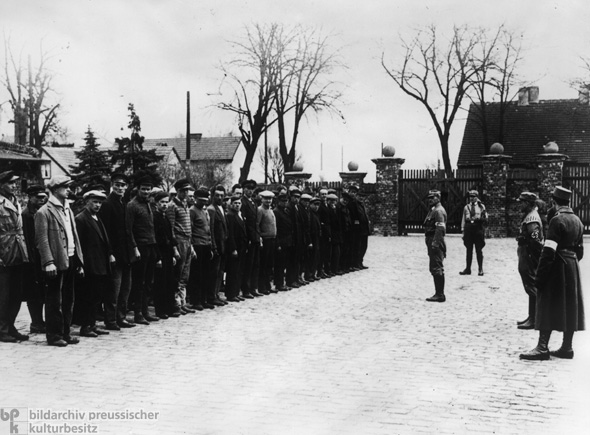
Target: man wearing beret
{"type": "Point", "coordinates": [249, 212]}
{"type": "Point", "coordinates": [530, 244]}
{"type": "Point", "coordinates": [472, 226]}
{"type": "Point", "coordinates": [13, 256]}
{"type": "Point", "coordinates": [560, 302]}
{"type": "Point", "coordinates": [61, 258]}
{"type": "Point", "coordinates": [98, 260]}
{"type": "Point", "coordinates": [435, 228]}
{"type": "Point", "coordinates": [140, 230]}
{"type": "Point", "coordinates": [179, 216]}
{"type": "Point", "coordinates": [113, 216]}
{"type": "Point", "coordinates": [33, 279]}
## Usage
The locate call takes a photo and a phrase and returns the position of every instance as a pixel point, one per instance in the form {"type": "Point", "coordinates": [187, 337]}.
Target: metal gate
{"type": "Point", "coordinates": [577, 179]}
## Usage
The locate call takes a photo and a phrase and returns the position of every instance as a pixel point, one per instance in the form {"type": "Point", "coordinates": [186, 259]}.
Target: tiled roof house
{"type": "Point", "coordinates": [61, 158]}
{"type": "Point", "coordinates": [528, 125]}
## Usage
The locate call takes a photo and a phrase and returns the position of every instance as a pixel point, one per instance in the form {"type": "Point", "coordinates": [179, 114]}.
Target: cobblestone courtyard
{"type": "Point", "coordinates": [357, 354]}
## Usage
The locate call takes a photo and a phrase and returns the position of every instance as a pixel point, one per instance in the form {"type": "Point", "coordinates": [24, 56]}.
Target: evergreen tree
{"type": "Point", "coordinates": [130, 157]}
{"type": "Point", "coordinates": [93, 164]}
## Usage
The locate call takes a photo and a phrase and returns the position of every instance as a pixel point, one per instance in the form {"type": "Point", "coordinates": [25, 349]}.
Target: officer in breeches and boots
{"type": "Point", "coordinates": [473, 228]}
{"type": "Point", "coordinates": [435, 227]}
{"type": "Point", "coordinates": [530, 244]}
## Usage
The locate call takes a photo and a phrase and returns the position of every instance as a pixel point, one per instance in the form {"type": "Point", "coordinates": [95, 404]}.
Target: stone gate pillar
{"type": "Point", "coordinates": [352, 176]}
{"type": "Point", "coordinates": [495, 181]}
{"type": "Point", "coordinates": [549, 173]}
{"type": "Point", "coordinates": [387, 186]}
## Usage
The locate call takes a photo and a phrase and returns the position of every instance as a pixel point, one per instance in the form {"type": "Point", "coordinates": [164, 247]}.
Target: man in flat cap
{"type": "Point", "coordinates": [113, 216]}
{"type": "Point", "coordinates": [284, 241]}
{"type": "Point", "coordinates": [33, 279]}
{"type": "Point", "coordinates": [98, 261]}
{"type": "Point", "coordinates": [267, 228]}
{"type": "Point", "coordinates": [201, 284]}
{"type": "Point", "coordinates": [237, 242]}
{"type": "Point", "coordinates": [560, 302]}
{"type": "Point", "coordinates": [435, 228]}
{"type": "Point", "coordinates": [315, 233]}
{"type": "Point", "coordinates": [297, 250]}
{"type": "Point", "coordinates": [218, 224]}
{"type": "Point", "coordinates": [179, 216]}
{"type": "Point", "coordinates": [61, 258]}
{"type": "Point", "coordinates": [140, 230]}
{"type": "Point", "coordinates": [249, 212]}
{"type": "Point", "coordinates": [473, 228]}
{"type": "Point", "coordinates": [360, 227]}
{"type": "Point", "coordinates": [326, 232]}
{"type": "Point", "coordinates": [13, 256]}
{"type": "Point", "coordinates": [530, 244]}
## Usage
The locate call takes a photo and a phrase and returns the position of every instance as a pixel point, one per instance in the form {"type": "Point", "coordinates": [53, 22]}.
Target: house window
{"type": "Point", "coordinates": [46, 170]}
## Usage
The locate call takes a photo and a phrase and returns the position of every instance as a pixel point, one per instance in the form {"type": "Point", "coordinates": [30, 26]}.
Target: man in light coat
{"type": "Point", "coordinates": [61, 258]}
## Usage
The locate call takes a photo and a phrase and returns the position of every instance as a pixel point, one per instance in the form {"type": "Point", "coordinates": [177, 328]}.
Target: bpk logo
{"type": "Point", "coordinates": [16, 420]}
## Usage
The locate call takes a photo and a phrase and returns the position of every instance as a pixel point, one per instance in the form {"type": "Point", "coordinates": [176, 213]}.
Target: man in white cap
{"type": "Point", "coordinates": [560, 302]}
{"type": "Point", "coordinates": [98, 263]}
{"type": "Point", "coordinates": [13, 255]}
{"type": "Point", "coordinates": [61, 258]}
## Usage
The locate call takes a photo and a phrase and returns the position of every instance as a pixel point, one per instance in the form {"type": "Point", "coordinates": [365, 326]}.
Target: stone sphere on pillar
{"type": "Point", "coordinates": [353, 166]}
{"type": "Point", "coordinates": [388, 151]}
{"type": "Point", "coordinates": [497, 148]}
{"type": "Point", "coordinates": [297, 167]}
{"type": "Point", "coordinates": [550, 148]}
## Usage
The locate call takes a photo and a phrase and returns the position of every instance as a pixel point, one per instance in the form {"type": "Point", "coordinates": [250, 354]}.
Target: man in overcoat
{"type": "Point", "coordinates": [13, 256]}
{"type": "Point", "coordinates": [560, 304]}
{"type": "Point", "coordinates": [61, 258]}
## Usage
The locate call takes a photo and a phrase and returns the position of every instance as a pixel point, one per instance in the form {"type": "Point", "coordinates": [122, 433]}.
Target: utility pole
{"type": "Point", "coordinates": [265, 155]}
{"type": "Point", "coordinates": [31, 109]}
{"type": "Point", "coordinates": [188, 130]}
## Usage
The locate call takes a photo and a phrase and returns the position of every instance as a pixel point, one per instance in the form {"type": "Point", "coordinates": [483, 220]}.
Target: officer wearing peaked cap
{"type": "Point", "coordinates": [560, 303]}
{"type": "Point", "coordinates": [530, 244]}
{"type": "Point", "coordinates": [472, 226]}
{"type": "Point", "coordinates": [435, 227]}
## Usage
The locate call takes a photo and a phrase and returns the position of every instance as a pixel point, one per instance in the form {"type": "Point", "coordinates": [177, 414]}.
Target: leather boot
{"type": "Point", "coordinates": [468, 262]}
{"type": "Point", "coordinates": [479, 263]}
{"type": "Point", "coordinates": [565, 351]}
{"type": "Point", "coordinates": [529, 323]}
{"type": "Point", "coordinates": [439, 286]}
{"type": "Point", "coordinates": [541, 352]}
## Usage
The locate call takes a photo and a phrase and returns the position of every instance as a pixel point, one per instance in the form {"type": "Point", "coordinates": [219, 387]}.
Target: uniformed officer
{"type": "Point", "coordinates": [435, 227]}
{"type": "Point", "coordinates": [472, 226]}
{"type": "Point", "coordinates": [560, 304]}
{"type": "Point", "coordinates": [530, 243]}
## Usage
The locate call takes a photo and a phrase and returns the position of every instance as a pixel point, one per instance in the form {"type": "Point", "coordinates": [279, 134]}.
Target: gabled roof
{"type": "Point", "coordinates": [160, 149]}
{"type": "Point", "coordinates": [202, 148]}
{"type": "Point", "coordinates": [63, 157]}
{"type": "Point", "coordinates": [527, 129]}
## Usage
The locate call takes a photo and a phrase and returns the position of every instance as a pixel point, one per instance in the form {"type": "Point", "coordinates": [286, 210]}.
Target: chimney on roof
{"type": "Point", "coordinates": [196, 136]}
{"type": "Point", "coordinates": [533, 95]}
{"type": "Point", "coordinates": [584, 95]}
{"type": "Point", "coordinates": [523, 97]}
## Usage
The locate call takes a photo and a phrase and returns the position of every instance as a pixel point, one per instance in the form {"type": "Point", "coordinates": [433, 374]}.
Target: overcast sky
{"type": "Point", "coordinates": [109, 53]}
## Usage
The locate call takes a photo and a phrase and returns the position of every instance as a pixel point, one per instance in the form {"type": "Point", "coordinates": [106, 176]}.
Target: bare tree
{"type": "Point", "coordinates": [494, 62]}
{"type": "Point", "coordinates": [304, 84]}
{"type": "Point", "coordinates": [252, 76]}
{"type": "Point", "coordinates": [437, 72]}
{"type": "Point", "coordinates": [276, 169]}
{"type": "Point", "coordinates": [31, 96]}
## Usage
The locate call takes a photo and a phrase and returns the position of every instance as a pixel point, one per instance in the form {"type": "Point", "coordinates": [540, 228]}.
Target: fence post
{"type": "Point", "coordinates": [495, 181]}
{"type": "Point", "coordinates": [549, 173]}
{"type": "Point", "coordinates": [387, 204]}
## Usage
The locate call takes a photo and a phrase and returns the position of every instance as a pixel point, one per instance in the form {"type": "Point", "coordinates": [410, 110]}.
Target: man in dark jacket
{"type": "Point", "coordinates": [283, 243]}
{"type": "Point", "coordinates": [140, 230]}
{"type": "Point", "coordinates": [33, 280]}
{"type": "Point", "coordinates": [315, 236]}
{"type": "Point", "coordinates": [112, 214]}
{"type": "Point", "coordinates": [98, 258]}
{"type": "Point", "coordinates": [336, 233]}
{"type": "Point", "coordinates": [165, 283]}
{"type": "Point", "coordinates": [295, 256]}
{"type": "Point", "coordinates": [360, 227]}
{"type": "Point", "coordinates": [237, 243]}
{"type": "Point", "coordinates": [560, 302]}
{"type": "Point", "coordinates": [326, 235]}
{"type": "Point", "coordinates": [435, 230]}
{"type": "Point", "coordinates": [218, 238]}
{"type": "Point", "coordinates": [249, 212]}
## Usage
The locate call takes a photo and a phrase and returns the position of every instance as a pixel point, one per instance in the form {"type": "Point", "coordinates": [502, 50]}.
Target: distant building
{"type": "Point", "coordinates": [58, 160]}
{"type": "Point", "coordinates": [529, 124]}
{"type": "Point", "coordinates": [24, 160]}
{"type": "Point", "coordinates": [224, 152]}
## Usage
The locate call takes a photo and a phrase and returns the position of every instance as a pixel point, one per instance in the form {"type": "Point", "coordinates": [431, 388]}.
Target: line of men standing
{"type": "Point", "coordinates": [116, 254]}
